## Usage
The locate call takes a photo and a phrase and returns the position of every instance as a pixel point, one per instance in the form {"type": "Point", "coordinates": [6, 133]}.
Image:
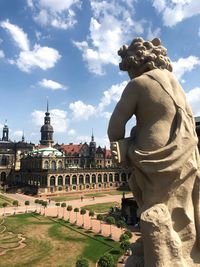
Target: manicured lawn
{"type": "Point", "coordinates": [88, 195]}
{"type": "Point", "coordinates": [51, 242]}
{"type": "Point", "coordinates": [5, 199]}
{"type": "Point", "coordinates": [102, 207]}
{"type": "Point", "coordinates": [64, 198]}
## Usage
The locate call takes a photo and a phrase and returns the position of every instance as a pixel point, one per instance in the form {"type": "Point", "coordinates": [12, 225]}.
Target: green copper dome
{"type": "Point", "coordinates": [47, 151]}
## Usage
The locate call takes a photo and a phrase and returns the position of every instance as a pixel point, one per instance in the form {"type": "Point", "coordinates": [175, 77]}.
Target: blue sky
{"type": "Point", "coordinates": [66, 50]}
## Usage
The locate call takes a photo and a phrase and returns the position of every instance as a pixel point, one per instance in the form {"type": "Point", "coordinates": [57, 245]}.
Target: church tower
{"type": "Point", "coordinates": [5, 132]}
{"type": "Point", "coordinates": [47, 130]}
{"type": "Point", "coordinates": [92, 151]}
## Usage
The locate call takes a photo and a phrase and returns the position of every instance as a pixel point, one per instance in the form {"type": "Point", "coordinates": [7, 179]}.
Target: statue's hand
{"type": "Point", "coordinates": [119, 152]}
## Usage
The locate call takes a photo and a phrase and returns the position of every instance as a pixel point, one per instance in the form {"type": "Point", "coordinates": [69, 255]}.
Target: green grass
{"type": "Point", "coordinates": [53, 242]}
{"type": "Point", "coordinates": [117, 192]}
{"type": "Point", "coordinates": [95, 195]}
{"type": "Point", "coordinates": [101, 207]}
{"type": "Point", "coordinates": [64, 198]}
{"type": "Point", "coordinates": [5, 199]}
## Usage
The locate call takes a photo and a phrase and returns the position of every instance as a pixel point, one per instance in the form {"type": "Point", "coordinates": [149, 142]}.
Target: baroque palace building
{"type": "Point", "coordinates": [48, 168]}
{"type": "Point", "coordinates": [70, 167]}
{"type": "Point", "coordinates": [10, 155]}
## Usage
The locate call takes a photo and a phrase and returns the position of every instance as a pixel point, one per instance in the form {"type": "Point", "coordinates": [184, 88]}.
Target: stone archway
{"type": "Point", "coordinates": [3, 178]}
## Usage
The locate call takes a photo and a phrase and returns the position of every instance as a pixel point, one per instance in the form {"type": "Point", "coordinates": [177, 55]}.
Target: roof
{"type": "Point", "coordinates": [71, 148]}
{"type": "Point", "coordinates": [108, 153]}
{"type": "Point", "coordinates": [47, 151]}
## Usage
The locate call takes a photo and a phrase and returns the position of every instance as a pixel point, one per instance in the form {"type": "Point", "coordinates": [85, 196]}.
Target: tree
{"type": "Point", "coordinates": [15, 204]}
{"type": "Point", "coordinates": [123, 237]}
{"type": "Point", "coordinates": [100, 219]}
{"type": "Point", "coordinates": [128, 233]}
{"type": "Point", "coordinates": [69, 209]}
{"type": "Point", "coordinates": [110, 220]}
{"type": "Point", "coordinates": [82, 263]}
{"type": "Point", "coordinates": [76, 210]}
{"type": "Point", "coordinates": [5, 204]}
{"type": "Point", "coordinates": [58, 205]}
{"type": "Point", "coordinates": [83, 212]}
{"type": "Point", "coordinates": [91, 214]}
{"type": "Point", "coordinates": [106, 261]}
{"type": "Point", "coordinates": [36, 202]}
{"type": "Point", "coordinates": [121, 224]}
{"type": "Point", "coordinates": [63, 205]}
{"type": "Point", "coordinates": [27, 203]}
{"type": "Point", "coordinates": [125, 245]}
{"type": "Point", "coordinates": [44, 204]}
{"type": "Point", "coordinates": [40, 201]}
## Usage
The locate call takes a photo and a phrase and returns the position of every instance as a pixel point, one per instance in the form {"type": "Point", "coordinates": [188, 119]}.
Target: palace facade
{"type": "Point", "coordinates": [49, 168]}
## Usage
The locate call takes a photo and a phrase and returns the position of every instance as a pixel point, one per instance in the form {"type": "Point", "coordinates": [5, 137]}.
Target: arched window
{"type": "Point", "coordinates": [87, 179]}
{"type": "Point", "coordinates": [74, 179]}
{"type": "Point", "coordinates": [110, 177]}
{"type": "Point", "coordinates": [99, 178]}
{"type": "Point", "coordinates": [105, 178]}
{"type": "Point", "coordinates": [67, 180]}
{"type": "Point", "coordinates": [4, 160]}
{"type": "Point", "coordinates": [3, 177]}
{"type": "Point", "coordinates": [60, 180]}
{"type": "Point", "coordinates": [52, 181]}
{"type": "Point", "coordinates": [123, 177]}
{"type": "Point", "coordinates": [81, 179]}
{"type": "Point", "coordinates": [93, 178]}
{"type": "Point", "coordinates": [116, 177]}
{"type": "Point", "coordinates": [53, 165]}
{"type": "Point", "coordinates": [60, 165]}
{"type": "Point", "coordinates": [46, 165]}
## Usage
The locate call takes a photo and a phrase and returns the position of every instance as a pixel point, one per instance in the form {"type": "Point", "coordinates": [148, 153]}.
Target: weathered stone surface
{"type": "Point", "coordinates": [162, 150]}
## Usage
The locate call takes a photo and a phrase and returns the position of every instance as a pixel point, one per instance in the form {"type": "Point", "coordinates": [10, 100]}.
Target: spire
{"type": "Point", "coordinates": [23, 138]}
{"type": "Point", "coordinates": [47, 112]}
{"type": "Point", "coordinates": [47, 104]}
{"type": "Point", "coordinates": [92, 137]}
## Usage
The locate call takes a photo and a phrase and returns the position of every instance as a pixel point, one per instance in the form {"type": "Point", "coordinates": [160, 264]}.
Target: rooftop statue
{"type": "Point", "coordinates": [162, 152]}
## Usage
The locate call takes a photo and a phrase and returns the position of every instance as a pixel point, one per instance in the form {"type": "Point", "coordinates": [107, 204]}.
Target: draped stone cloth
{"type": "Point", "coordinates": [169, 175]}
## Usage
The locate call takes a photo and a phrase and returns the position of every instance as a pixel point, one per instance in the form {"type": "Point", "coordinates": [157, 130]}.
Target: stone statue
{"type": "Point", "coordinates": [162, 152]}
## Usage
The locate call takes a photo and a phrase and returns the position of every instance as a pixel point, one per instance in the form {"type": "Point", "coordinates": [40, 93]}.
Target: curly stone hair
{"type": "Point", "coordinates": [144, 55]}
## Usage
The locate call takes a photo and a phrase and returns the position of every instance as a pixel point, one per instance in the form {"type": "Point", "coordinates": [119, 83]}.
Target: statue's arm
{"type": "Point", "coordinates": [123, 111]}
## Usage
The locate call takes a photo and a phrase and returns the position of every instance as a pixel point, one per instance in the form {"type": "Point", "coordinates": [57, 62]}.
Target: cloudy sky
{"type": "Point", "coordinates": [66, 50]}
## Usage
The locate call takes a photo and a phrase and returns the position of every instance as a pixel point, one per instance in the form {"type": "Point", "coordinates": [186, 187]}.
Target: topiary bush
{"type": "Point", "coordinates": [82, 263]}
{"type": "Point", "coordinates": [106, 261]}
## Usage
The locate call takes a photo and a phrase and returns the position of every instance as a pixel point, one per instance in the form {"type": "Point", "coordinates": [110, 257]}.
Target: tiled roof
{"type": "Point", "coordinates": [71, 148]}
{"type": "Point", "coordinates": [108, 153]}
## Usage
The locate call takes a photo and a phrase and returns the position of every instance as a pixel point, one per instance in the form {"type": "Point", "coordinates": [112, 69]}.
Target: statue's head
{"type": "Point", "coordinates": [141, 56]}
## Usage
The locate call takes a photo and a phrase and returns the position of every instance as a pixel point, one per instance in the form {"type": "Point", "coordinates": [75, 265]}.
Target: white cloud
{"type": "Point", "coordinates": [81, 111]}
{"type": "Point", "coordinates": [42, 57]}
{"type": "Point", "coordinates": [184, 65]}
{"type": "Point", "coordinates": [111, 25]}
{"type": "Point", "coordinates": [52, 85]}
{"type": "Point", "coordinates": [55, 13]}
{"type": "Point", "coordinates": [58, 5]}
{"type": "Point", "coordinates": [112, 94]}
{"type": "Point", "coordinates": [2, 55]}
{"type": "Point", "coordinates": [151, 34]}
{"type": "Point", "coordinates": [193, 97]}
{"type": "Point", "coordinates": [59, 119]}
{"type": "Point", "coordinates": [30, 3]}
{"type": "Point", "coordinates": [18, 133]}
{"type": "Point", "coordinates": [174, 11]}
{"type": "Point", "coordinates": [18, 35]}
{"type": "Point", "coordinates": [71, 132]}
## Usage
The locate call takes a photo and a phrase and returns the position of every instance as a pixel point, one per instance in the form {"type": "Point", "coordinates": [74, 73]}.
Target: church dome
{"type": "Point", "coordinates": [46, 128]}
{"type": "Point", "coordinates": [47, 151]}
